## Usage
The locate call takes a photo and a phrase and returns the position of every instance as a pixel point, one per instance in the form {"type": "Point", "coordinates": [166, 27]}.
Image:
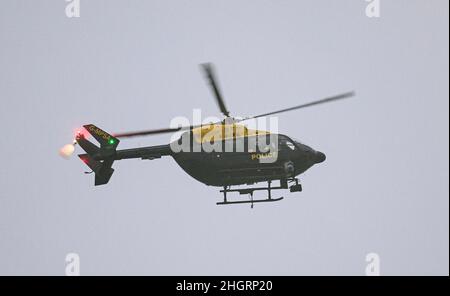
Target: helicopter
{"type": "Point", "coordinates": [209, 152]}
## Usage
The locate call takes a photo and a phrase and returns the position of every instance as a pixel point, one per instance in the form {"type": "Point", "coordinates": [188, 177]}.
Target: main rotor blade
{"type": "Point", "coordinates": [208, 68]}
{"type": "Point", "coordinates": [160, 131]}
{"type": "Point", "coordinates": [176, 129]}
{"type": "Point", "coordinates": [148, 132]}
{"type": "Point", "coordinates": [326, 100]}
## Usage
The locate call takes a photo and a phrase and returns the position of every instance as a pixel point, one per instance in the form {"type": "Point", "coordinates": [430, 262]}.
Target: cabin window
{"type": "Point", "coordinates": [266, 143]}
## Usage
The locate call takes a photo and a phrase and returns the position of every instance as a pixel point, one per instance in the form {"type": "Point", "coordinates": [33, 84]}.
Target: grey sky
{"type": "Point", "coordinates": [128, 65]}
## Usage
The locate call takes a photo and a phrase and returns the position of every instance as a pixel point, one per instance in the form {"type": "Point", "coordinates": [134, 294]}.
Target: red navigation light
{"type": "Point", "coordinates": [81, 133]}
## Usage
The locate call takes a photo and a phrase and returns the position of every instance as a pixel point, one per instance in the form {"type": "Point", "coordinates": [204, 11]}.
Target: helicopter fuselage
{"type": "Point", "coordinates": [282, 159]}
{"type": "Point", "coordinates": [220, 168]}
{"type": "Point", "coordinates": [245, 157]}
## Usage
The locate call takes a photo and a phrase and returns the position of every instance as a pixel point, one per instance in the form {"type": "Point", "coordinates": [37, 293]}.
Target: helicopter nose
{"type": "Point", "coordinates": [320, 157]}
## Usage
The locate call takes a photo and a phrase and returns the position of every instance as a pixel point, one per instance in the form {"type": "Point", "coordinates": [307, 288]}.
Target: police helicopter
{"type": "Point", "coordinates": [224, 154]}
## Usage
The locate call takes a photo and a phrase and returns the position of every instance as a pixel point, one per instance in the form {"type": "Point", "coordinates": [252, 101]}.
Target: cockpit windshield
{"type": "Point", "coordinates": [301, 146]}
{"type": "Point", "coordinates": [290, 145]}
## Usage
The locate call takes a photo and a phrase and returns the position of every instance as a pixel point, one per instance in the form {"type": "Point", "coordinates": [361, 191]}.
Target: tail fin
{"type": "Point", "coordinates": [105, 139]}
{"type": "Point", "coordinates": [98, 159]}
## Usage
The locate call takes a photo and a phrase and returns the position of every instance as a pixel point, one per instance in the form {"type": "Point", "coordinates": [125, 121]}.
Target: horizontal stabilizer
{"type": "Point", "coordinates": [102, 169]}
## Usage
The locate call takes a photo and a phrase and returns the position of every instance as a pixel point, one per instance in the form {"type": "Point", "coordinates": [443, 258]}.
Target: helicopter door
{"type": "Point", "coordinates": [214, 152]}
{"type": "Point", "coordinates": [241, 155]}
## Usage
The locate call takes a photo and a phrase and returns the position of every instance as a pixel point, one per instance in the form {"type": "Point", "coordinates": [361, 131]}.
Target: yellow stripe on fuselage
{"type": "Point", "coordinates": [221, 132]}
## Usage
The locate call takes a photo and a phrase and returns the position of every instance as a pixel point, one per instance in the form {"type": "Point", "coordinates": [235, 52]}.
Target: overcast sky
{"type": "Point", "coordinates": [130, 65]}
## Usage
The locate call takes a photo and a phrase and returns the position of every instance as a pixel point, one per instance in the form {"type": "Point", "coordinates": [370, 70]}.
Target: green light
{"type": "Point", "coordinates": [111, 141]}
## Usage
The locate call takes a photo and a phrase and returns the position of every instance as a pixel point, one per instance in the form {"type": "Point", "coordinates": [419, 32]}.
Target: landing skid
{"type": "Point", "coordinates": [250, 191]}
{"type": "Point", "coordinates": [249, 201]}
